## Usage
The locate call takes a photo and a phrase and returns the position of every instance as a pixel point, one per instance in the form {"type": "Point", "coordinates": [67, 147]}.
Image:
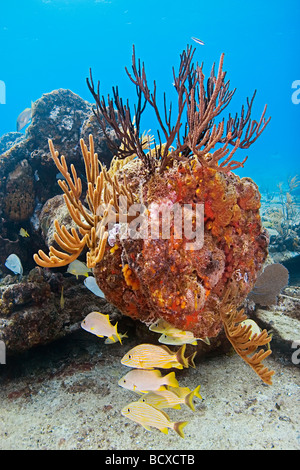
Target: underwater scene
{"type": "Point", "coordinates": [149, 227]}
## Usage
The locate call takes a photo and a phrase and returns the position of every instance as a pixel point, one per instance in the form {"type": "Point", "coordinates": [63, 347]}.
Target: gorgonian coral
{"type": "Point", "coordinates": [194, 287]}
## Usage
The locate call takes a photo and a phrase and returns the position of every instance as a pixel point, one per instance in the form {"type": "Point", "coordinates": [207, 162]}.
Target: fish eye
{"type": "Point", "coordinates": [128, 409]}
{"type": "Point", "coordinates": [129, 356]}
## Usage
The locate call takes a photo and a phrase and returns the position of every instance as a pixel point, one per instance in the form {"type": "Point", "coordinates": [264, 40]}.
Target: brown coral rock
{"type": "Point", "coordinates": [19, 195]}
{"type": "Point", "coordinates": [186, 287]}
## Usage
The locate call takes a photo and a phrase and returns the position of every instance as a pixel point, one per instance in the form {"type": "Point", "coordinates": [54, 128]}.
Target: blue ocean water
{"type": "Point", "coordinates": [51, 44]}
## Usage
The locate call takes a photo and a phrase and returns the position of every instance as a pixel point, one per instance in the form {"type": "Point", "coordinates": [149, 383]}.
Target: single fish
{"type": "Point", "coordinates": [176, 340]}
{"type": "Point", "coordinates": [162, 326]}
{"type": "Point", "coordinates": [174, 336]}
{"type": "Point", "coordinates": [23, 232]}
{"type": "Point", "coordinates": [23, 119]}
{"type": "Point", "coordinates": [255, 330]}
{"type": "Point", "coordinates": [149, 356]}
{"type": "Point", "coordinates": [99, 324]}
{"type": "Point", "coordinates": [78, 269]}
{"type": "Point", "coordinates": [169, 399]}
{"type": "Point", "coordinates": [148, 417]}
{"type": "Point", "coordinates": [143, 381]}
{"type": "Point", "coordinates": [36, 175]}
{"type": "Point", "coordinates": [91, 284]}
{"type": "Point", "coordinates": [179, 340]}
{"type": "Point", "coordinates": [62, 299]}
{"type": "Point", "coordinates": [198, 41]}
{"type": "Point", "coordinates": [186, 394]}
{"type": "Point", "coordinates": [13, 263]}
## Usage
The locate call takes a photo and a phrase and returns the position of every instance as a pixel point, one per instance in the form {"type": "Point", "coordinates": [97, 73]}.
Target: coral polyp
{"type": "Point", "coordinates": [194, 284]}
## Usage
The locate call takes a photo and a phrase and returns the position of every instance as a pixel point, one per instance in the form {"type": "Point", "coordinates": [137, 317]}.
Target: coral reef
{"type": "Point", "coordinates": [31, 311]}
{"type": "Point", "coordinates": [19, 201]}
{"type": "Point", "coordinates": [161, 277]}
{"type": "Point", "coordinates": [280, 215]}
{"type": "Point", "coordinates": [28, 178]}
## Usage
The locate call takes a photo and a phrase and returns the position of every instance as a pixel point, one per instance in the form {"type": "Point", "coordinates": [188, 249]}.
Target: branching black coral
{"type": "Point", "coordinates": [198, 134]}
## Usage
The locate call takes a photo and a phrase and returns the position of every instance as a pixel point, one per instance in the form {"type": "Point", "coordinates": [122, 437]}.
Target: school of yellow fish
{"type": "Point", "coordinates": [157, 391]}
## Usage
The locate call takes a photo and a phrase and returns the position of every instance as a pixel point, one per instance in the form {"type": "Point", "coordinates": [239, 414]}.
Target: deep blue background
{"type": "Point", "coordinates": [50, 44]}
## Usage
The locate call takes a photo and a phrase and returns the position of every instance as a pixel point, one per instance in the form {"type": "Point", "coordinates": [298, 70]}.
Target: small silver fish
{"type": "Point", "coordinates": [78, 268]}
{"type": "Point", "coordinates": [91, 284]}
{"type": "Point", "coordinates": [23, 119]}
{"type": "Point", "coordinates": [13, 263]}
{"type": "Point", "coordinates": [198, 41]}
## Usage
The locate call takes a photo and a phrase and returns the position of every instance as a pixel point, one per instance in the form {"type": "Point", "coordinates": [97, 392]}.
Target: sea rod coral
{"type": "Point", "coordinates": [161, 277]}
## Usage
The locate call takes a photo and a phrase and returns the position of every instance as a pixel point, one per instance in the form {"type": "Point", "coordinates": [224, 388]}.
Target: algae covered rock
{"type": "Point", "coordinates": [167, 279]}
{"type": "Point", "coordinates": [43, 307]}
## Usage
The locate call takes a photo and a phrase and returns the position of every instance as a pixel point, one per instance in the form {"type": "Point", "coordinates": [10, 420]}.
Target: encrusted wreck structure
{"type": "Point", "coordinates": [190, 164]}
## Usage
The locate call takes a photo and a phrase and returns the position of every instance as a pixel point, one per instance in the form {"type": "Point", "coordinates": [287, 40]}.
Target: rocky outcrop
{"type": "Point", "coordinates": [28, 175]}
{"type": "Point", "coordinates": [283, 321]}
{"type": "Point", "coordinates": [43, 307]}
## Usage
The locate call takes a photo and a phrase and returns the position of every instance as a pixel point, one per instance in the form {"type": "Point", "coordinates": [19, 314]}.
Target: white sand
{"type": "Point", "coordinates": [58, 401]}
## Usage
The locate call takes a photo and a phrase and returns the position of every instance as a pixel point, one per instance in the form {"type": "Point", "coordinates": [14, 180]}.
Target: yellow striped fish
{"type": "Point", "coordinates": [148, 416]}
{"type": "Point", "coordinates": [149, 356]}
{"type": "Point", "coordinates": [143, 381]}
{"type": "Point", "coordinates": [183, 392]}
{"type": "Point", "coordinates": [162, 326]}
{"type": "Point", "coordinates": [169, 399]}
{"type": "Point", "coordinates": [174, 336]}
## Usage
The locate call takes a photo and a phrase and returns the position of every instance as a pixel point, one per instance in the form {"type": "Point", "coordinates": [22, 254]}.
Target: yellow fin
{"type": "Point", "coordinates": [180, 356]}
{"type": "Point", "coordinates": [164, 430]}
{"type": "Point", "coordinates": [196, 392]}
{"type": "Point", "coordinates": [190, 360]}
{"type": "Point", "coordinates": [176, 407]}
{"type": "Point", "coordinates": [189, 398]}
{"type": "Point", "coordinates": [117, 334]}
{"type": "Point", "coordinates": [170, 365]}
{"type": "Point", "coordinates": [162, 387]}
{"type": "Point", "coordinates": [179, 426]}
{"type": "Point", "coordinates": [172, 381]}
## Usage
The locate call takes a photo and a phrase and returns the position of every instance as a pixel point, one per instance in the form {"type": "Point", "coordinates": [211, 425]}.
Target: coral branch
{"type": "Point", "coordinates": [244, 343]}
{"type": "Point", "coordinates": [103, 194]}
{"type": "Point", "coordinates": [202, 104]}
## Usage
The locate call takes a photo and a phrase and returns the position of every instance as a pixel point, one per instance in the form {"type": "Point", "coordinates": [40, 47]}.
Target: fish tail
{"type": "Point", "coordinates": [178, 427]}
{"type": "Point", "coordinates": [196, 392]}
{"type": "Point", "coordinates": [171, 380]}
{"type": "Point", "coordinates": [189, 398]}
{"type": "Point", "coordinates": [111, 339]}
{"type": "Point", "coordinates": [190, 360]}
{"type": "Point", "coordinates": [180, 356]}
{"type": "Point", "coordinates": [117, 334]}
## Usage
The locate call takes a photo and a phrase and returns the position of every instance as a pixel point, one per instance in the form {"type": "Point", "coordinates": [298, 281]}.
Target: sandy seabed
{"type": "Point", "coordinates": [66, 396]}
